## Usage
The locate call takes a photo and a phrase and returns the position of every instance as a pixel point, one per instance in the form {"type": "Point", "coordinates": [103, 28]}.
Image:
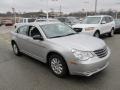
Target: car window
{"type": "Point", "coordinates": [23, 30]}
{"type": "Point", "coordinates": [117, 21]}
{"type": "Point", "coordinates": [107, 19]}
{"type": "Point", "coordinates": [25, 20]}
{"type": "Point", "coordinates": [67, 20]}
{"type": "Point", "coordinates": [91, 20]}
{"type": "Point", "coordinates": [110, 19]}
{"type": "Point", "coordinates": [103, 19]}
{"type": "Point", "coordinates": [74, 20]}
{"type": "Point", "coordinates": [57, 30]}
{"type": "Point", "coordinates": [61, 19]}
{"type": "Point", "coordinates": [31, 20]}
{"type": "Point", "coordinates": [33, 31]}
{"type": "Point", "coordinates": [21, 21]}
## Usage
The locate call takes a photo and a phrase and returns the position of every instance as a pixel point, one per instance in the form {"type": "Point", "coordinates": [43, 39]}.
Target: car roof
{"type": "Point", "coordinates": [66, 17]}
{"type": "Point", "coordinates": [50, 19]}
{"type": "Point", "coordinates": [39, 23]}
{"type": "Point", "coordinates": [27, 18]}
{"type": "Point", "coordinates": [100, 16]}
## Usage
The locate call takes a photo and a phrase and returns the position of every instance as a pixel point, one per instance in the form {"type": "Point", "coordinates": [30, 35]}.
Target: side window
{"type": "Point", "coordinates": [23, 30]}
{"type": "Point", "coordinates": [31, 20]}
{"type": "Point", "coordinates": [107, 19]}
{"type": "Point", "coordinates": [33, 31]}
{"type": "Point", "coordinates": [67, 20]}
{"type": "Point", "coordinates": [24, 20]}
{"type": "Point", "coordinates": [103, 19]}
{"type": "Point", "coordinates": [110, 19]}
{"type": "Point", "coordinates": [21, 21]}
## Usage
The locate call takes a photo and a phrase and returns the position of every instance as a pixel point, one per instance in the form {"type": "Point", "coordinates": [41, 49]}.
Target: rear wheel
{"type": "Point", "coordinates": [97, 34]}
{"type": "Point", "coordinates": [111, 34]}
{"type": "Point", "coordinates": [58, 65]}
{"type": "Point", "coordinates": [16, 49]}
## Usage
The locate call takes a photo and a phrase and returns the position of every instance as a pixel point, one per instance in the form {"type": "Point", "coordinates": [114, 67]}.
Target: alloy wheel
{"type": "Point", "coordinates": [15, 49]}
{"type": "Point", "coordinates": [56, 66]}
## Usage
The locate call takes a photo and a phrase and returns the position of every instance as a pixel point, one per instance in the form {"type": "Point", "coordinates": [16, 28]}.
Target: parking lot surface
{"type": "Point", "coordinates": [25, 73]}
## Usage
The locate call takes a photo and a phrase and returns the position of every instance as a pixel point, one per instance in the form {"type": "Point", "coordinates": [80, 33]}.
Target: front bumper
{"type": "Point", "coordinates": [89, 67]}
{"type": "Point", "coordinates": [90, 73]}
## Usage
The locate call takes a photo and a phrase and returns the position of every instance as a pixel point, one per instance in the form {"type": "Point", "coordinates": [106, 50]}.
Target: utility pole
{"type": "Point", "coordinates": [95, 7]}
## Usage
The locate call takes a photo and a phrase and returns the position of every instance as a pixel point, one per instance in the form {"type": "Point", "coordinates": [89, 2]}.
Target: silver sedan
{"type": "Point", "coordinates": [63, 49]}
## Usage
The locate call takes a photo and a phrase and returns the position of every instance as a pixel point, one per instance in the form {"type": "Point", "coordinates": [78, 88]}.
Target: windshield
{"type": "Point", "coordinates": [71, 20]}
{"type": "Point", "coordinates": [31, 20]}
{"type": "Point", "coordinates": [74, 20]}
{"type": "Point", "coordinates": [41, 20]}
{"type": "Point", "coordinates": [117, 21]}
{"type": "Point", "coordinates": [57, 30]}
{"type": "Point", "coordinates": [91, 20]}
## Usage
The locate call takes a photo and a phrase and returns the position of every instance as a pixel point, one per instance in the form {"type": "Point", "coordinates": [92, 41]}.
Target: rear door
{"type": "Point", "coordinates": [103, 27]}
{"type": "Point", "coordinates": [108, 24]}
{"type": "Point", "coordinates": [22, 37]}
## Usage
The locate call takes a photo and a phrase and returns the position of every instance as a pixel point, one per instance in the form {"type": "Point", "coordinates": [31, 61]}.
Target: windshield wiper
{"type": "Point", "coordinates": [64, 35]}
{"type": "Point", "coordinates": [70, 34]}
{"type": "Point", "coordinates": [56, 36]}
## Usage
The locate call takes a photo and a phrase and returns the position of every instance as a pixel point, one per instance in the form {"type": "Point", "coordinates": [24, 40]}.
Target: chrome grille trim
{"type": "Point", "coordinates": [101, 53]}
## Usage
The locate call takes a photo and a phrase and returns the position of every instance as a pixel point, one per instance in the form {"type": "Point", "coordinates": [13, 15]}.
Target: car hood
{"type": "Point", "coordinates": [79, 41]}
{"type": "Point", "coordinates": [84, 25]}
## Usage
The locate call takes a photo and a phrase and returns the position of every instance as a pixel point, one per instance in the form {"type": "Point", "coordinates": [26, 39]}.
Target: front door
{"type": "Point", "coordinates": [36, 48]}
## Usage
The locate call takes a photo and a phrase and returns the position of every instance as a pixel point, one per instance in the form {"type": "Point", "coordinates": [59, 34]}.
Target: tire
{"type": "Point", "coordinates": [111, 34]}
{"type": "Point", "coordinates": [58, 66]}
{"type": "Point", "coordinates": [97, 34]}
{"type": "Point", "coordinates": [16, 49]}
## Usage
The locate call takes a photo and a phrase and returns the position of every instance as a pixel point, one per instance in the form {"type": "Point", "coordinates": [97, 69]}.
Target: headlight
{"type": "Point", "coordinates": [82, 55]}
{"type": "Point", "coordinates": [89, 28]}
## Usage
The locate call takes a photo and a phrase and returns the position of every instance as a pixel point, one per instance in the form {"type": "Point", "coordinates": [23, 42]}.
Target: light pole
{"type": "Point", "coordinates": [116, 16]}
{"type": "Point", "coordinates": [60, 7]}
{"type": "Point", "coordinates": [14, 14]}
{"type": "Point", "coordinates": [87, 3]}
{"type": "Point", "coordinates": [86, 11]}
{"type": "Point", "coordinates": [47, 13]}
{"type": "Point", "coordinates": [95, 6]}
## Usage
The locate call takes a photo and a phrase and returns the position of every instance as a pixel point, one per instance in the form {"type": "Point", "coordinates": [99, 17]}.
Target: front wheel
{"type": "Point", "coordinates": [58, 66]}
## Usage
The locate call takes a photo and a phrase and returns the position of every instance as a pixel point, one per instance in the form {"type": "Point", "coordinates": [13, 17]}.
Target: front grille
{"type": "Point", "coordinates": [78, 29]}
{"type": "Point", "coordinates": [101, 52]}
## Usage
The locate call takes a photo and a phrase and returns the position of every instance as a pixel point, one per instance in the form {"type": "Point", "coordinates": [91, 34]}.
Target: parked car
{"type": "Point", "coordinates": [0, 22]}
{"type": "Point", "coordinates": [63, 49]}
{"type": "Point", "coordinates": [69, 20]}
{"type": "Point", "coordinates": [117, 25]}
{"type": "Point", "coordinates": [96, 25]}
{"type": "Point", "coordinates": [7, 22]}
{"type": "Point", "coordinates": [44, 20]}
{"type": "Point", "coordinates": [24, 20]}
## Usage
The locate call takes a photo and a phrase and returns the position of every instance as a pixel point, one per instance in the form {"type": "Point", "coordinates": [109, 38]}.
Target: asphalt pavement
{"type": "Point", "coordinates": [25, 73]}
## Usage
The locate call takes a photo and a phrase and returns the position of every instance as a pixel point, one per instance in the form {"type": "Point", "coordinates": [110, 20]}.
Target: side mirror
{"type": "Point", "coordinates": [38, 37]}
{"type": "Point", "coordinates": [103, 22]}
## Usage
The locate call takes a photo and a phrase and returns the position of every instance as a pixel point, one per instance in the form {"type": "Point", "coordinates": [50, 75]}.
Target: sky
{"type": "Point", "coordinates": [67, 5]}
